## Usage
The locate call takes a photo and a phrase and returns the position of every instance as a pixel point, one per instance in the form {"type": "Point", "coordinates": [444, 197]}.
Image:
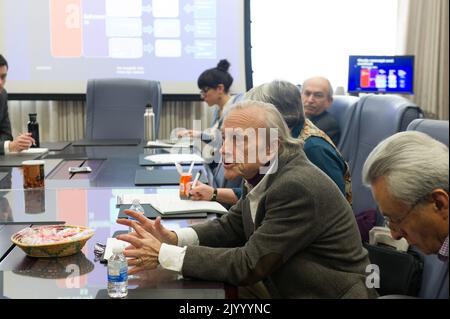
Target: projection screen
{"type": "Point", "coordinates": [55, 46]}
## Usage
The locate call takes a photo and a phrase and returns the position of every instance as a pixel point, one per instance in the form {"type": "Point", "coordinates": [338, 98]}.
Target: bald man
{"type": "Point", "coordinates": [286, 237]}
{"type": "Point", "coordinates": [317, 97]}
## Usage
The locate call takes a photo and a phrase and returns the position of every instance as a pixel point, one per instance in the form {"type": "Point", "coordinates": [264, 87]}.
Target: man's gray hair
{"type": "Point", "coordinates": [413, 163]}
{"type": "Point", "coordinates": [273, 120]}
{"type": "Point", "coordinates": [285, 96]}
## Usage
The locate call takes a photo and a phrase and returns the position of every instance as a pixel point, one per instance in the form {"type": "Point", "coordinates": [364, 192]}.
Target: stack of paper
{"type": "Point", "coordinates": [34, 151]}
{"type": "Point", "coordinates": [172, 204]}
{"type": "Point", "coordinates": [162, 144]}
{"type": "Point", "coordinates": [175, 158]}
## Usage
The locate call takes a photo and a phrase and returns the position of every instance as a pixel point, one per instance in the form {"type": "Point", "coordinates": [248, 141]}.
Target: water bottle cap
{"type": "Point", "coordinates": [117, 250]}
{"type": "Point", "coordinates": [136, 206]}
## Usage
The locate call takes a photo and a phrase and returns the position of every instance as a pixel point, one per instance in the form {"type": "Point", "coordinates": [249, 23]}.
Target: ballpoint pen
{"type": "Point", "coordinates": [197, 177]}
{"type": "Point", "coordinates": [192, 166]}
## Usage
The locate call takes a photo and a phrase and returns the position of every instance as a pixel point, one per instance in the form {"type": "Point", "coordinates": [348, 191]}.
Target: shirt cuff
{"type": "Point", "coordinates": [187, 237]}
{"type": "Point", "coordinates": [171, 257]}
{"type": "Point", "coordinates": [6, 147]}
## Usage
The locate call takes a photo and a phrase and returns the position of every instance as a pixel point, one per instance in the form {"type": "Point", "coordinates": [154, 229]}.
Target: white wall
{"type": "Point", "coordinates": [296, 39]}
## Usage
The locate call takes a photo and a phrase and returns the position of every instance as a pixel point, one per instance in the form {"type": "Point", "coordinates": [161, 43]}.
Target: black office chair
{"type": "Point", "coordinates": [115, 107]}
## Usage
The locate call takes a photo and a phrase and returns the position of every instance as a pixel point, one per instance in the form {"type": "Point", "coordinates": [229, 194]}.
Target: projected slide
{"type": "Point", "coordinates": [55, 46]}
{"type": "Point", "coordinates": [115, 28]}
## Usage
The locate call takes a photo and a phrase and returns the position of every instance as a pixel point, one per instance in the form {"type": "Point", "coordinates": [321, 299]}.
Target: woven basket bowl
{"type": "Point", "coordinates": [58, 249]}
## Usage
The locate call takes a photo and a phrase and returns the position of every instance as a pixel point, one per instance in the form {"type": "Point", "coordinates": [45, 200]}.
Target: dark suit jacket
{"type": "Point", "coordinates": [5, 125]}
{"type": "Point", "coordinates": [304, 243]}
{"type": "Point", "coordinates": [327, 123]}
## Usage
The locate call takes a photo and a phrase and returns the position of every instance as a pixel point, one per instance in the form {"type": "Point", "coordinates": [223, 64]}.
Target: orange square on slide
{"type": "Point", "coordinates": [365, 78]}
{"type": "Point", "coordinates": [66, 28]}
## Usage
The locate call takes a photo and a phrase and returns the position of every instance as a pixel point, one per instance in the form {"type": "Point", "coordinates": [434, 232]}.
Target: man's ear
{"type": "Point", "coordinates": [441, 201]}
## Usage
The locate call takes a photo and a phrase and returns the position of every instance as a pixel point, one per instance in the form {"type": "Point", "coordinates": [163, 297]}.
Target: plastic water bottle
{"type": "Point", "coordinates": [117, 274]}
{"type": "Point", "coordinates": [136, 207]}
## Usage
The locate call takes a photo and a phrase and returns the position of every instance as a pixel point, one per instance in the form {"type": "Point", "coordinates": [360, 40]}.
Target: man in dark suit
{"type": "Point", "coordinates": [317, 97]}
{"type": "Point", "coordinates": [7, 144]}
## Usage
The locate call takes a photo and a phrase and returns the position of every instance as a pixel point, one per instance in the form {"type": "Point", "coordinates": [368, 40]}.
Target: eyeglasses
{"type": "Point", "coordinates": [389, 222]}
{"type": "Point", "coordinates": [204, 90]}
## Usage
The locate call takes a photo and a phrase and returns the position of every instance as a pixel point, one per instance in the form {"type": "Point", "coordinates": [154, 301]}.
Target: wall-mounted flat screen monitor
{"type": "Point", "coordinates": [381, 74]}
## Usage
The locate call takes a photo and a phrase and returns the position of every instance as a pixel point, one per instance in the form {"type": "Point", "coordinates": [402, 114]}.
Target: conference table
{"type": "Point", "coordinates": [86, 200]}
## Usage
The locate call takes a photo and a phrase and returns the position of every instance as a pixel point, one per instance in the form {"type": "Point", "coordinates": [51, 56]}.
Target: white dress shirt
{"type": "Point", "coordinates": [171, 257]}
{"type": "Point", "coordinates": [6, 147]}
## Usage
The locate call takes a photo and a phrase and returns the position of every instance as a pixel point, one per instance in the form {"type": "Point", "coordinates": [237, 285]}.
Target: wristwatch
{"type": "Point", "coordinates": [214, 196]}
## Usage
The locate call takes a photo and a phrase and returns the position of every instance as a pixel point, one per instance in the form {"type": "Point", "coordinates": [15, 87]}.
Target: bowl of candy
{"type": "Point", "coordinates": [52, 240]}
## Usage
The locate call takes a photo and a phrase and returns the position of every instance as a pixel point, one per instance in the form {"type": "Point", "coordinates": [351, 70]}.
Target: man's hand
{"type": "Point", "coordinates": [189, 133]}
{"type": "Point", "coordinates": [143, 250]}
{"type": "Point", "coordinates": [153, 227]}
{"type": "Point", "coordinates": [200, 192]}
{"type": "Point", "coordinates": [21, 142]}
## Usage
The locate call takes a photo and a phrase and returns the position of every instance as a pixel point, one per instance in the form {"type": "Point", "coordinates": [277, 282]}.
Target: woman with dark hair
{"type": "Point", "coordinates": [214, 85]}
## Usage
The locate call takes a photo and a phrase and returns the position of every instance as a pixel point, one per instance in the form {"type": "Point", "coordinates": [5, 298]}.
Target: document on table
{"type": "Point", "coordinates": [175, 158]}
{"type": "Point", "coordinates": [172, 204]}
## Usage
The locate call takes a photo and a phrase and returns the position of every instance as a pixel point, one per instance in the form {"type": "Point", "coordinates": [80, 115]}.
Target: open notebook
{"type": "Point", "coordinates": [167, 204]}
{"type": "Point", "coordinates": [174, 158]}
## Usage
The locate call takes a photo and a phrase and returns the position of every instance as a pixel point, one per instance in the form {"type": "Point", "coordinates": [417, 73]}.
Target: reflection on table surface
{"type": "Point", "coordinates": [81, 275]}
{"type": "Point", "coordinates": [71, 283]}
{"type": "Point", "coordinates": [79, 206]}
{"type": "Point", "coordinates": [88, 200]}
